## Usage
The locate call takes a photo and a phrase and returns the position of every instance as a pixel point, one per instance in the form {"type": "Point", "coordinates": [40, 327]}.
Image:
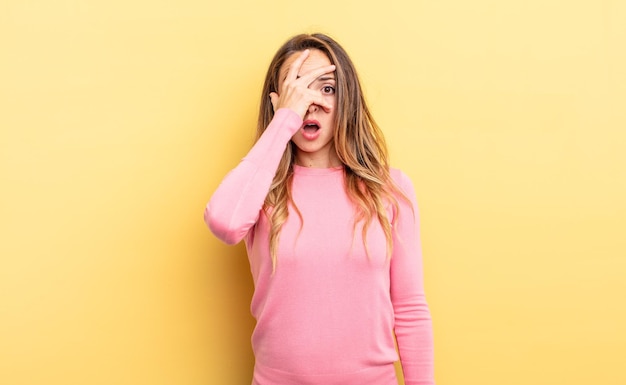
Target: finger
{"type": "Point", "coordinates": [325, 106]}
{"type": "Point", "coordinates": [315, 73]}
{"type": "Point", "coordinates": [274, 100]}
{"type": "Point", "coordinates": [326, 103]}
{"type": "Point", "coordinates": [292, 74]}
{"type": "Point", "coordinates": [320, 101]}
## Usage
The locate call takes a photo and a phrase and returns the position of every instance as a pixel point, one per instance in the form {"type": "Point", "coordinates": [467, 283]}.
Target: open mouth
{"type": "Point", "coordinates": [311, 126]}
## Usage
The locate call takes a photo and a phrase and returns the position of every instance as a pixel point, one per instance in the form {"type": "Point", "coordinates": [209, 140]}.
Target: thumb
{"type": "Point", "coordinates": [274, 100]}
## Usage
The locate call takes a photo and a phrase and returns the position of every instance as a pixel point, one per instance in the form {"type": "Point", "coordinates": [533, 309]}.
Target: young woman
{"type": "Point", "coordinates": [331, 231]}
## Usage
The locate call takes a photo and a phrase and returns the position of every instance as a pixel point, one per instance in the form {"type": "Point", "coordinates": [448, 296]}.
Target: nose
{"type": "Point", "coordinates": [313, 108]}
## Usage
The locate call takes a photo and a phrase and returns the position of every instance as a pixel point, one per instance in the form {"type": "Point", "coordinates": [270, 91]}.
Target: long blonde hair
{"type": "Point", "coordinates": [358, 142]}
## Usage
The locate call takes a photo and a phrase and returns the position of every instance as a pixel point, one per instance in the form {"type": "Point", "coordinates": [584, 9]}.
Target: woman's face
{"type": "Point", "coordinates": [314, 140]}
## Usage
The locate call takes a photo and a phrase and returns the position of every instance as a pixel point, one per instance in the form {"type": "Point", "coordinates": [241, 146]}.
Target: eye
{"type": "Point", "coordinates": [328, 90]}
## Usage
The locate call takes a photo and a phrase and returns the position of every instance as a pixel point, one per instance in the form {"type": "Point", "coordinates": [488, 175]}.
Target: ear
{"type": "Point", "coordinates": [274, 100]}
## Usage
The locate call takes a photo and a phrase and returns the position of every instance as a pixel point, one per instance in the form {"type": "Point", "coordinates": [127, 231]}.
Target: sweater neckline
{"type": "Point", "coordinates": [301, 170]}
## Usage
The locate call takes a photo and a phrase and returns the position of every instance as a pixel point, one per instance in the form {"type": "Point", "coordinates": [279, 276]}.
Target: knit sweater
{"type": "Point", "coordinates": [328, 313]}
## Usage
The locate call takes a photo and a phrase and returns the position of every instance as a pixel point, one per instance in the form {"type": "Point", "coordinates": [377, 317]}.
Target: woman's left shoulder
{"type": "Point", "coordinates": [401, 179]}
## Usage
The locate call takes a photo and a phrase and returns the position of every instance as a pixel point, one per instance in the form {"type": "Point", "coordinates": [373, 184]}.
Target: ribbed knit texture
{"type": "Point", "coordinates": [328, 313]}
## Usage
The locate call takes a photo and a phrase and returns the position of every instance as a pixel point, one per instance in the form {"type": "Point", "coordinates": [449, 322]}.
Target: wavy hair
{"type": "Point", "coordinates": [358, 143]}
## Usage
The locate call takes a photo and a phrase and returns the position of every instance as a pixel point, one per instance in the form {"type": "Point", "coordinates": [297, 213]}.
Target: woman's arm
{"type": "Point", "coordinates": [234, 207]}
{"type": "Point", "coordinates": [413, 326]}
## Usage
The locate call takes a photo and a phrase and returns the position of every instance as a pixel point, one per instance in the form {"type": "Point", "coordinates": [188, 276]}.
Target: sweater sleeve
{"type": "Point", "coordinates": [234, 207]}
{"type": "Point", "coordinates": [413, 325]}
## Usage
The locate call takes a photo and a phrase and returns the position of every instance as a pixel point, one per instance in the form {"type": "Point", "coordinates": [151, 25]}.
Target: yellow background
{"type": "Point", "coordinates": [119, 118]}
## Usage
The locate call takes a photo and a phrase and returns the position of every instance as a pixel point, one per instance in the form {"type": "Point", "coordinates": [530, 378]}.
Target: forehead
{"type": "Point", "coordinates": [316, 59]}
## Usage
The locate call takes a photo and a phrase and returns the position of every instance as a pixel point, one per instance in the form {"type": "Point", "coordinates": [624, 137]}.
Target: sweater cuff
{"type": "Point", "coordinates": [289, 119]}
{"type": "Point", "coordinates": [268, 150]}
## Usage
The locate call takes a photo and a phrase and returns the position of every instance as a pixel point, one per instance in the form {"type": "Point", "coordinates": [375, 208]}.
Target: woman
{"type": "Point", "coordinates": [331, 231]}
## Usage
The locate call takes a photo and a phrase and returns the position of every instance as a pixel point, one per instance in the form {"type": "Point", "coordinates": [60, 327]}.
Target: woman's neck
{"type": "Point", "coordinates": [329, 160]}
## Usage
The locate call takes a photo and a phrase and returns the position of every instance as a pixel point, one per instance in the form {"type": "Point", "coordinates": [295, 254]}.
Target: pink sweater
{"type": "Point", "coordinates": [327, 315]}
